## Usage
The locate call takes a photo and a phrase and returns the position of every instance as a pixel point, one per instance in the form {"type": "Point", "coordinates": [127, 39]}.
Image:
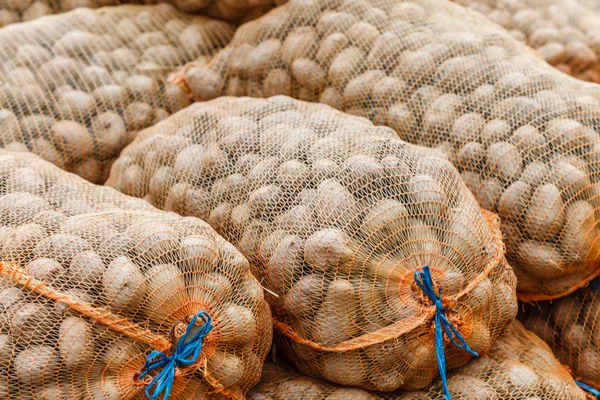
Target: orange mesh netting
{"type": "Point", "coordinates": [571, 326]}
{"type": "Point", "coordinates": [77, 87]}
{"type": "Point", "coordinates": [93, 281]}
{"type": "Point", "coordinates": [565, 33]}
{"type": "Point", "coordinates": [523, 135]}
{"type": "Point", "coordinates": [520, 366]}
{"type": "Point", "coordinates": [335, 216]}
{"type": "Point", "coordinates": [12, 11]}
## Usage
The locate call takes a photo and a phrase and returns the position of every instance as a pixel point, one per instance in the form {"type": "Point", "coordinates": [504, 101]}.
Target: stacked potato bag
{"type": "Point", "coordinates": [524, 136]}
{"type": "Point", "coordinates": [564, 32]}
{"type": "Point", "coordinates": [520, 366]}
{"type": "Point", "coordinates": [231, 10]}
{"type": "Point", "coordinates": [571, 326]}
{"type": "Point", "coordinates": [93, 281]}
{"type": "Point", "coordinates": [335, 216]}
{"type": "Point", "coordinates": [12, 11]}
{"type": "Point", "coordinates": [77, 87]}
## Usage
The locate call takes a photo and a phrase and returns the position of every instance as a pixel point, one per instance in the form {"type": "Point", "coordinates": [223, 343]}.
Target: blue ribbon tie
{"type": "Point", "coordinates": [425, 283]}
{"type": "Point", "coordinates": [588, 389]}
{"type": "Point", "coordinates": [186, 354]}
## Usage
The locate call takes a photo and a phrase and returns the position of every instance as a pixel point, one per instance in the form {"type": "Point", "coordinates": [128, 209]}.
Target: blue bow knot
{"type": "Point", "coordinates": [186, 354]}
{"type": "Point", "coordinates": [588, 389]}
{"type": "Point", "coordinates": [442, 324]}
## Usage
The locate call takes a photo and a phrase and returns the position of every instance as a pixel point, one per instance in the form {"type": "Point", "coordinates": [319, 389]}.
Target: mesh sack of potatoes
{"type": "Point", "coordinates": [77, 87]}
{"type": "Point", "coordinates": [102, 296]}
{"type": "Point", "coordinates": [230, 10]}
{"type": "Point", "coordinates": [520, 366]}
{"type": "Point", "coordinates": [336, 216]}
{"type": "Point", "coordinates": [565, 33]}
{"type": "Point", "coordinates": [524, 136]}
{"type": "Point", "coordinates": [571, 326]}
{"type": "Point", "coordinates": [12, 11]}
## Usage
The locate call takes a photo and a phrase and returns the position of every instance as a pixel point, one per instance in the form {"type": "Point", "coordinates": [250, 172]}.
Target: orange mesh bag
{"type": "Point", "coordinates": [102, 296]}
{"type": "Point", "coordinates": [12, 11]}
{"type": "Point", "coordinates": [523, 135]}
{"type": "Point", "coordinates": [570, 326]}
{"type": "Point", "coordinates": [520, 366]}
{"type": "Point", "coordinates": [565, 33]}
{"type": "Point", "coordinates": [336, 217]}
{"type": "Point", "coordinates": [77, 87]}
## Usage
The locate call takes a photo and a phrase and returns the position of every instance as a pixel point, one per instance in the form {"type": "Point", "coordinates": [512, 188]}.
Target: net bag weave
{"type": "Point", "coordinates": [523, 135]}
{"type": "Point", "coordinates": [94, 284]}
{"type": "Point", "coordinates": [77, 87]}
{"type": "Point", "coordinates": [565, 33]}
{"type": "Point", "coordinates": [335, 216]}
{"type": "Point", "coordinates": [12, 11]}
{"type": "Point", "coordinates": [520, 366]}
{"type": "Point", "coordinates": [570, 326]}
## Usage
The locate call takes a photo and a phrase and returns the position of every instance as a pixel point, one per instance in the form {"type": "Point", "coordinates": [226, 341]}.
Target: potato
{"type": "Point", "coordinates": [75, 294]}
{"type": "Point", "coordinates": [153, 241]}
{"type": "Point", "coordinates": [72, 139]}
{"type": "Point", "coordinates": [137, 115]}
{"type": "Point", "coordinates": [348, 62]}
{"type": "Point", "coordinates": [336, 322]}
{"type": "Point", "coordinates": [93, 228]}
{"type": "Point", "coordinates": [60, 247]}
{"type": "Point", "coordinates": [543, 261]}
{"type": "Point", "coordinates": [578, 239]}
{"type": "Point", "coordinates": [20, 207]}
{"type": "Point", "coordinates": [513, 202]}
{"type": "Point", "coordinates": [166, 292]}
{"type": "Point", "coordinates": [427, 196]}
{"type": "Point", "coordinates": [22, 242]}
{"type": "Point", "coordinates": [226, 368]}
{"type": "Point", "coordinates": [546, 211]}
{"type": "Point", "coordinates": [328, 249]}
{"type": "Point", "coordinates": [75, 105]}
{"type": "Point", "coordinates": [46, 269]}
{"type": "Point", "coordinates": [87, 267]}
{"type": "Point", "coordinates": [304, 297]}
{"type": "Point", "coordinates": [29, 320]}
{"type": "Point", "coordinates": [287, 260]}
{"type": "Point", "coordinates": [333, 203]}
{"type": "Point", "coordinates": [6, 348]}
{"type": "Point", "coordinates": [504, 160]}
{"type": "Point", "coordinates": [36, 364]}
{"type": "Point", "coordinates": [75, 342]}
{"type": "Point", "coordinates": [299, 43]}
{"type": "Point", "coordinates": [386, 217]}
{"type": "Point", "coordinates": [124, 284]}
{"type": "Point", "coordinates": [10, 302]}
{"type": "Point", "coordinates": [471, 388]}
{"type": "Point", "coordinates": [25, 180]}
{"type": "Point", "coordinates": [109, 130]}
{"type": "Point", "coordinates": [343, 370]}
{"type": "Point", "coordinates": [264, 200]}
{"type": "Point", "coordinates": [238, 324]}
